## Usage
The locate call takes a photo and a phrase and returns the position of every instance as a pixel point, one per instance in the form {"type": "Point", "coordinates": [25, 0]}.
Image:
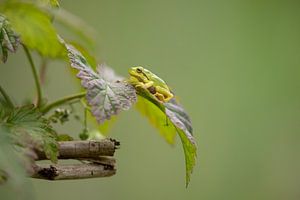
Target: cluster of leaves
{"type": "Point", "coordinates": [24, 128]}
{"type": "Point", "coordinates": [106, 93]}
{"type": "Point", "coordinates": [28, 128]}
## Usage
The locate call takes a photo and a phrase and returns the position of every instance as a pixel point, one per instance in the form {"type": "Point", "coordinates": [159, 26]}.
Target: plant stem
{"type": "Point", "coordinates": [43, 70]}
{"type": "Point", "coordinates": [6, 97]}
{"type": "Point", "coordinates": [85, 119]}
{"type": "Point", "coordinates": [35, 76]}
{"type": "Point", "coordinates": [62, 101]}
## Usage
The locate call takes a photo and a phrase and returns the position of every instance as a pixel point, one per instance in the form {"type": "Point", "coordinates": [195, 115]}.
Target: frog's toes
{"type": "Point", "coordinates": [160, 97]}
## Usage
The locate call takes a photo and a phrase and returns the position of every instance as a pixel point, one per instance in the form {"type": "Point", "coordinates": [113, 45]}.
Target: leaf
{"type": "Point", "coordinates": [5, 108]}
{"type": "Point", "coordinates": [50, 147]}
{"type": "Point", "coordinates": [28, 121]}
{"type": "Point", "coordinates": [9, 40]}
{"type": "Point", "coordinates": [108, 98]}
{"type": "Point", "coordinates": [157, 118]}
{"type": "Point", "coordinates": [183, 125]}
{"type": "Point", "coordinates": [85, 53]}
{"type": "Point", "coordinates": [13, 181]}
{"type": "Point", "coordinates": [106, 94]}
{"type": "Point", "coordinates": [74, 26]}
{"type": "Point", "coordinates": [170, 118]}
{"type": "Point", "coordinates": [35, 28]}
{"type": "Point", "coordinates": [106, 126]}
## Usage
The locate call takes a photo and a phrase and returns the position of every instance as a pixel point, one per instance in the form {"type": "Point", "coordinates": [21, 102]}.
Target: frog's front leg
{"type": "Point", "coordinates": [148, 84]}
{"type": "Point", "coordinates": [163, 94]}
{"type": "Point", "coordinates": [144, 85]}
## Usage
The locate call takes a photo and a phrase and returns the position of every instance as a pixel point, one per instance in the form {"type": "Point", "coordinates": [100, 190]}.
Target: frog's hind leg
{"type": "Point", "coordinates": [168, 98]}
{"type": "Point", "coordinates": [167, 95]}
{"type": "Point", "coordinates": [160, 97]}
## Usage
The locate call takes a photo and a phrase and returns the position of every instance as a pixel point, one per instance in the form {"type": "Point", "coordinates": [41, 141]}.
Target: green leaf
{"type": "Point", "coordinates": [13, 181]}
{"type": "Point", "coordinates": [170, 118]}
{"type": "Point", "coordinates": [50, 147]}
{"type": "Point", "coordinates": [74, 26]}
{"type": "Point", "coordinates": [107, 126]}
{"type": "Point", "coordinates": [183, 125]}
{"type": "Point", "coordinates": [34, 27]}
{"type": "Point", "coordinates": [9, 40]}
{"type": "Point", "coordinates": [27, 120]}
{"type": "Point", "coordinates": [106, 94]}
{"type": "Point", "coordinates": [5, 108]}
{"type": "Point", "coordinates": [157, 118]}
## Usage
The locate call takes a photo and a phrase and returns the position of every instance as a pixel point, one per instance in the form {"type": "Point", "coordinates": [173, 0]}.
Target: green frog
{"type": "Point", "coordinates": [141, 77]}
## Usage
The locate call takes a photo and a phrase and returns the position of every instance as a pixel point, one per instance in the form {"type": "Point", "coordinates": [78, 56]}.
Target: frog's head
{"type": "Point", "coordinates": [140, 73]}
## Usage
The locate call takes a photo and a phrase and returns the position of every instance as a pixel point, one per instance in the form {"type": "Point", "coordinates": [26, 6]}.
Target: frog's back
{"type": "Point", "coordinates": [159, 82]}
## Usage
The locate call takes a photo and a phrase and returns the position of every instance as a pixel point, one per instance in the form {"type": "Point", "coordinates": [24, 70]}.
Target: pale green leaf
{"type": "Point", "coordinates": [157, 118]}
{"type": "Point", "coordinates": [74, 26]}
{"type": "Point", "coordinates": [34, 27]}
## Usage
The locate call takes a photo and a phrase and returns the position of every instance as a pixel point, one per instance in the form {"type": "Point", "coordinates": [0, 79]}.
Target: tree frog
{"type": "Point", "coordinates": [141, 77]}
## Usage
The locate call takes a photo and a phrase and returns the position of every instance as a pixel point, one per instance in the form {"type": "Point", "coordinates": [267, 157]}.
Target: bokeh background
{"type": "Point", "coordinates": [235, 66]}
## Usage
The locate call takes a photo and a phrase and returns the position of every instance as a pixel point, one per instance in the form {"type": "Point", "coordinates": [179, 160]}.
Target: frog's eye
{"type": "Point", "coordinates": [138, 70]}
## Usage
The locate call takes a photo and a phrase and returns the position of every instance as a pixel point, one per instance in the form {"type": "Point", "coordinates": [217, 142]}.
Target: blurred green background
{"type": "Point", "coordinates": [235, 66]}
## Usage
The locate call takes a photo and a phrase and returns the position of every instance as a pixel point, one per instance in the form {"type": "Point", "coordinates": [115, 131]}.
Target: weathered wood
{"type": "Point", "coordinates": [72, 171]}
{"type": "Point", "coordinates": [84, 149]}
{"type": "Point", "coordinates": [95, 157]}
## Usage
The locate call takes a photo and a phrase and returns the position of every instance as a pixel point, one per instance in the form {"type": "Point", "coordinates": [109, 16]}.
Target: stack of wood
{"type": "Point", "coordinates": [95, 160]}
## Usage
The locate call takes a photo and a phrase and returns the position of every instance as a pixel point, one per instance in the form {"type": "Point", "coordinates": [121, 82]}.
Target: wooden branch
{"type": "Point", "coordinates": [84, 149]}
{"type": "Point", "coordinates": [74, 171]}
{"type": "Point", "coordinates": [108, 161]}
{"type": "Point", "coordinates": [95, 157]}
